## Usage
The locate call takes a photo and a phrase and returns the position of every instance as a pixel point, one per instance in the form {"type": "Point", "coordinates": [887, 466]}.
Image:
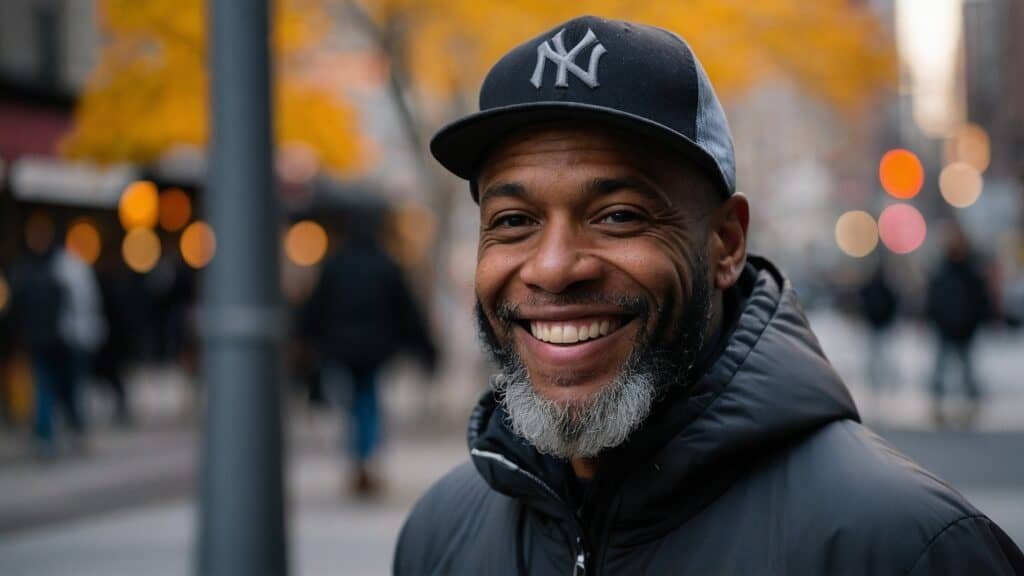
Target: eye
{"type": "Point", "coordinates": [620, 217]}
{"type": "Point", "coordinates": [511, 221]}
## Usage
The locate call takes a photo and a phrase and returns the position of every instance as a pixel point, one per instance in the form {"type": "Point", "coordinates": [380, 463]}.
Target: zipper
{"type": "Point", "coordinates": [580, 553]}
{"type": "Point", "coordinates": [580, 568]}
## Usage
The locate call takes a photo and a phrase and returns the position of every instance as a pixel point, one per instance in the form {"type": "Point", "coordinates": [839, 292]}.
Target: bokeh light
{"type": "Point", "coordinates": [141, 249]}
{"type": "Point", "coordinates": [972, 146]}
{"type": "Point", "coordinates": [305, 243]}
{"type": "Point", "coordinates": [856, 233]}
{"type": "Point", "coordinates": [901, 173]}
{"type": "Point", "coordinates": [198, 244]}
{"type": "Point", "coordinates": [5, 294]}
{"type": "Point", "coordinates": [902, 228]}
{"type": "Point", "coordinates": [175, 209]}
{"type": "Point", "coordinates": [83, 239]}
{"type": "Point", "coordinates": [139, 205]}
{"type": "Point", "coordinates": [297, 163]}
{"type": "Point", "coordinates": [960, 184]}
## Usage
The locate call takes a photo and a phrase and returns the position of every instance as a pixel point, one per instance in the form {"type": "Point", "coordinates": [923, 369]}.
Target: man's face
{"type": "Point", "coordinates": [591, 247]}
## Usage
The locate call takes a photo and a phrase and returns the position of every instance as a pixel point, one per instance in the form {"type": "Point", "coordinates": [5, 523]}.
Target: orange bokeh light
{"type": "Point", "coordinates": [83, 239]}
{"type": "Point", "coordinates": [175, 209]}
{"type": "Point", "coordinates": [305, 243]}
{"type": "Point", "coordinates": [198, 244]}
{"type": "Point", "coordinates": [139, 205]}
{"type": "Point", "coordinates": [901, 173]}
{"type": "Point", "coordinates": [140, 249]}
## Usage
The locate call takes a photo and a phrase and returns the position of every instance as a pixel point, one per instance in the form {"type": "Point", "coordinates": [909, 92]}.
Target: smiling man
{"type": "Point", "coordinates": [660, 404]}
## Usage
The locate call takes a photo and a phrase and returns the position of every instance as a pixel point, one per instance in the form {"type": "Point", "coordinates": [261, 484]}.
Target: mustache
{"type": "Point", "coordinates": [506, 313]}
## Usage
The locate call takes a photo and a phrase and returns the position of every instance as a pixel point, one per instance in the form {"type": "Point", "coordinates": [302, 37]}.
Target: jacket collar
{"type": "Point", "coordinates": [770, 385]}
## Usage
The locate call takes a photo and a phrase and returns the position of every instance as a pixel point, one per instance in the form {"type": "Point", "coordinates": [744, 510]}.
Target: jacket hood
{"type": "Point", "coordinates": [769, 386]}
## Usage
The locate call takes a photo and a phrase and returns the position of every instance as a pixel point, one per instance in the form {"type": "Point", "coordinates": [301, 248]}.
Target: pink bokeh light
{"type": "Point", "coordinates": [902, 228]}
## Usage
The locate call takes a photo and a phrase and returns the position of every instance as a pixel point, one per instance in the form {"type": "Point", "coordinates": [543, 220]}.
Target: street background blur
{"type": "Point", "coordinates": [880, 142]}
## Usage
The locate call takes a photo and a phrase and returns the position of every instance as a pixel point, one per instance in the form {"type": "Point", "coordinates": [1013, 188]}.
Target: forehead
{"type": "Point", "coordinates": [551, 148]}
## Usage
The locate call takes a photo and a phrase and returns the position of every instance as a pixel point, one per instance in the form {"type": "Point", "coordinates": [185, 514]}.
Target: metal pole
{"type": "Point", "coordinates": [242, 520]}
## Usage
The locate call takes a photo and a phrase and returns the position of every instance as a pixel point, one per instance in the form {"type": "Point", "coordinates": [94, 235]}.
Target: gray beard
{"type": "Point", "coordinates": [577, 430]}
{"type": "Point", "coordinates": [611, 415]}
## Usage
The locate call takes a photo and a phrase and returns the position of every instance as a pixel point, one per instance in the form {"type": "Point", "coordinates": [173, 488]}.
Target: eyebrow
{"type": "Point", "coordinates": [605, 186]}
{"type": "Point", "coordinates": [503, 190]}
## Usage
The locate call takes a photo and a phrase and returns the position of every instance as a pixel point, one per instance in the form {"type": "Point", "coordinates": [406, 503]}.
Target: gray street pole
{"type": "Point", "coordinates": [242, 520]}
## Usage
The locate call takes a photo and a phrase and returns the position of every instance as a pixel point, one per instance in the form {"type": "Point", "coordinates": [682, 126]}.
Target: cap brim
{"type": "Point", "coordinates": [464, 144]}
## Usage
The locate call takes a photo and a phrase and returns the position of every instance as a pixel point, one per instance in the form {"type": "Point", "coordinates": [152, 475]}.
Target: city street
{"type": "Point", "coordinates": [127, 506]}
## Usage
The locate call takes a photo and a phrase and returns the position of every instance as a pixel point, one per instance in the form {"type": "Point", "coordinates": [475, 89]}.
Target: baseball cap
{"type": "Point", "coordinates": [610, 72]}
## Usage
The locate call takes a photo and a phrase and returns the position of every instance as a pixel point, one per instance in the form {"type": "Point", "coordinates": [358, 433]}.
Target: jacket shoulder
{"type": "Point", "coordinates": [874, 503]}
{"type": "Point", "coordinates": [444, 521]}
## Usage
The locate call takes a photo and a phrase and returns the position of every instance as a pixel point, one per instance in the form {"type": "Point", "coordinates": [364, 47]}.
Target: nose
{"type": "Point", "coordinates": [559, 260]}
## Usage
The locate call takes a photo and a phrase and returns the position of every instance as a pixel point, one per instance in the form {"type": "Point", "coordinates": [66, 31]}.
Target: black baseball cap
{"type": "Point", "coordinates": [609, 72]}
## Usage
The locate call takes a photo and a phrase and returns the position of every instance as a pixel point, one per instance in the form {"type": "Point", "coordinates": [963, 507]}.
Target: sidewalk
{"type": "Point", "coordinates": [330, 532]}
{"type": "Point", "coordinates": [906, 404]}
{"type": "Point", "coordinates": [128, 506]}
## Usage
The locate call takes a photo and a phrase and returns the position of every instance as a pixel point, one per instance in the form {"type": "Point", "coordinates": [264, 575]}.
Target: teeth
{"type": "Point", "coordinates": [570, 333]}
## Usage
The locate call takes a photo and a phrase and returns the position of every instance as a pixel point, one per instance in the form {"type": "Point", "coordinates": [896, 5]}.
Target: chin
{"type": "Point", "coordinates": [572, 390]}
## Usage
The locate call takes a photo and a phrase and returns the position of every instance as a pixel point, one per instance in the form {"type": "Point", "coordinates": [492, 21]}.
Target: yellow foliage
{"type": "Point", "coordinates": [149, 91]}
{"type": "Point", "coordinates": [834, 49]}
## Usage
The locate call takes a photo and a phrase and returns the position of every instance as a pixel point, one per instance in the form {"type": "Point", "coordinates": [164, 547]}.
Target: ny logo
{"type": "Point", "coordinates": [566, 61]}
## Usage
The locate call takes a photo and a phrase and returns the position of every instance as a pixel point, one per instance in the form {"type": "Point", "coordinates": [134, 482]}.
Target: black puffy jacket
{"type": "Point", "coordinates": [760, 468]}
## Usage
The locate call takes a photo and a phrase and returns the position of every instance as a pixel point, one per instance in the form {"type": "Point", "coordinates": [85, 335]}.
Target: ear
{"type": "Point", "coordinates": [727, 240]}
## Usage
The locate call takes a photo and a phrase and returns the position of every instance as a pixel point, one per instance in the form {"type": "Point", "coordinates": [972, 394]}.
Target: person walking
{"type": "Point", "coordinates": [361, 314]}
{"type": "Point", "coordinates": [958, 303]}
{"type": "Point", "coordinates": [878, 305]}
{"type": "Point", "coordinates": [40, 302]}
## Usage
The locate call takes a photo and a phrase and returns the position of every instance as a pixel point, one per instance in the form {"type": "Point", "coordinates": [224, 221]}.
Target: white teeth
{"type": "Point", "coordinates": [569, 333]}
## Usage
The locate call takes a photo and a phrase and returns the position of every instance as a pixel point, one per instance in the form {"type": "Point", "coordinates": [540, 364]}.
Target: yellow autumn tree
{"type": "Point", "coordinates": [149, 91]}
{"type": "Point", "coordinates": [834, 49]}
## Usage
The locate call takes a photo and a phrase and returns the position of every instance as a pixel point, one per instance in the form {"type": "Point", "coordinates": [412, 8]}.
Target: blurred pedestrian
{"type": "Point", "coordinates": [958, 303]}
{"type": "Point", "coordinates": [359, 316]}
{"type": "Point", "coordinates": [40, 305]}
{"type": "Point", "coordinates": [108, 367]}
{"type": "Point", "coordinates": [878, 305]}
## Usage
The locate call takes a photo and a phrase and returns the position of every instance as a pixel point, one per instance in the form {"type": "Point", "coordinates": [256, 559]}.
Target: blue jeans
{"type": "Point", "coordinates": [355, 392]}
{"type": "Point", "coordinates": [56, 378]}
{"type": "Point", "coordinates": [961, 349]}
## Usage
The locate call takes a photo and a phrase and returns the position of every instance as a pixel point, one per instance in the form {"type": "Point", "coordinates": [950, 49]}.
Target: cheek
{"type": "Point", "coordinates": [658, 263]}
{"type": "Point", "coordinates": [495, 266]}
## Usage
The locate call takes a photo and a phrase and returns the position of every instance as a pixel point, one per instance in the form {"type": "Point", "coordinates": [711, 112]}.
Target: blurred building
{"type": "Point", "coordinates": [47, 50]}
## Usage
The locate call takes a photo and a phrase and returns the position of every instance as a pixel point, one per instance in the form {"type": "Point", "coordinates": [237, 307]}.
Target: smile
{"type": "Point", "coordinates": [574, 331]}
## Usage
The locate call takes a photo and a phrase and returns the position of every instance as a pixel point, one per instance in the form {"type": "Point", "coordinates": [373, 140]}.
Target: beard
{"type": "Point", "coordinates": [661, 358]}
